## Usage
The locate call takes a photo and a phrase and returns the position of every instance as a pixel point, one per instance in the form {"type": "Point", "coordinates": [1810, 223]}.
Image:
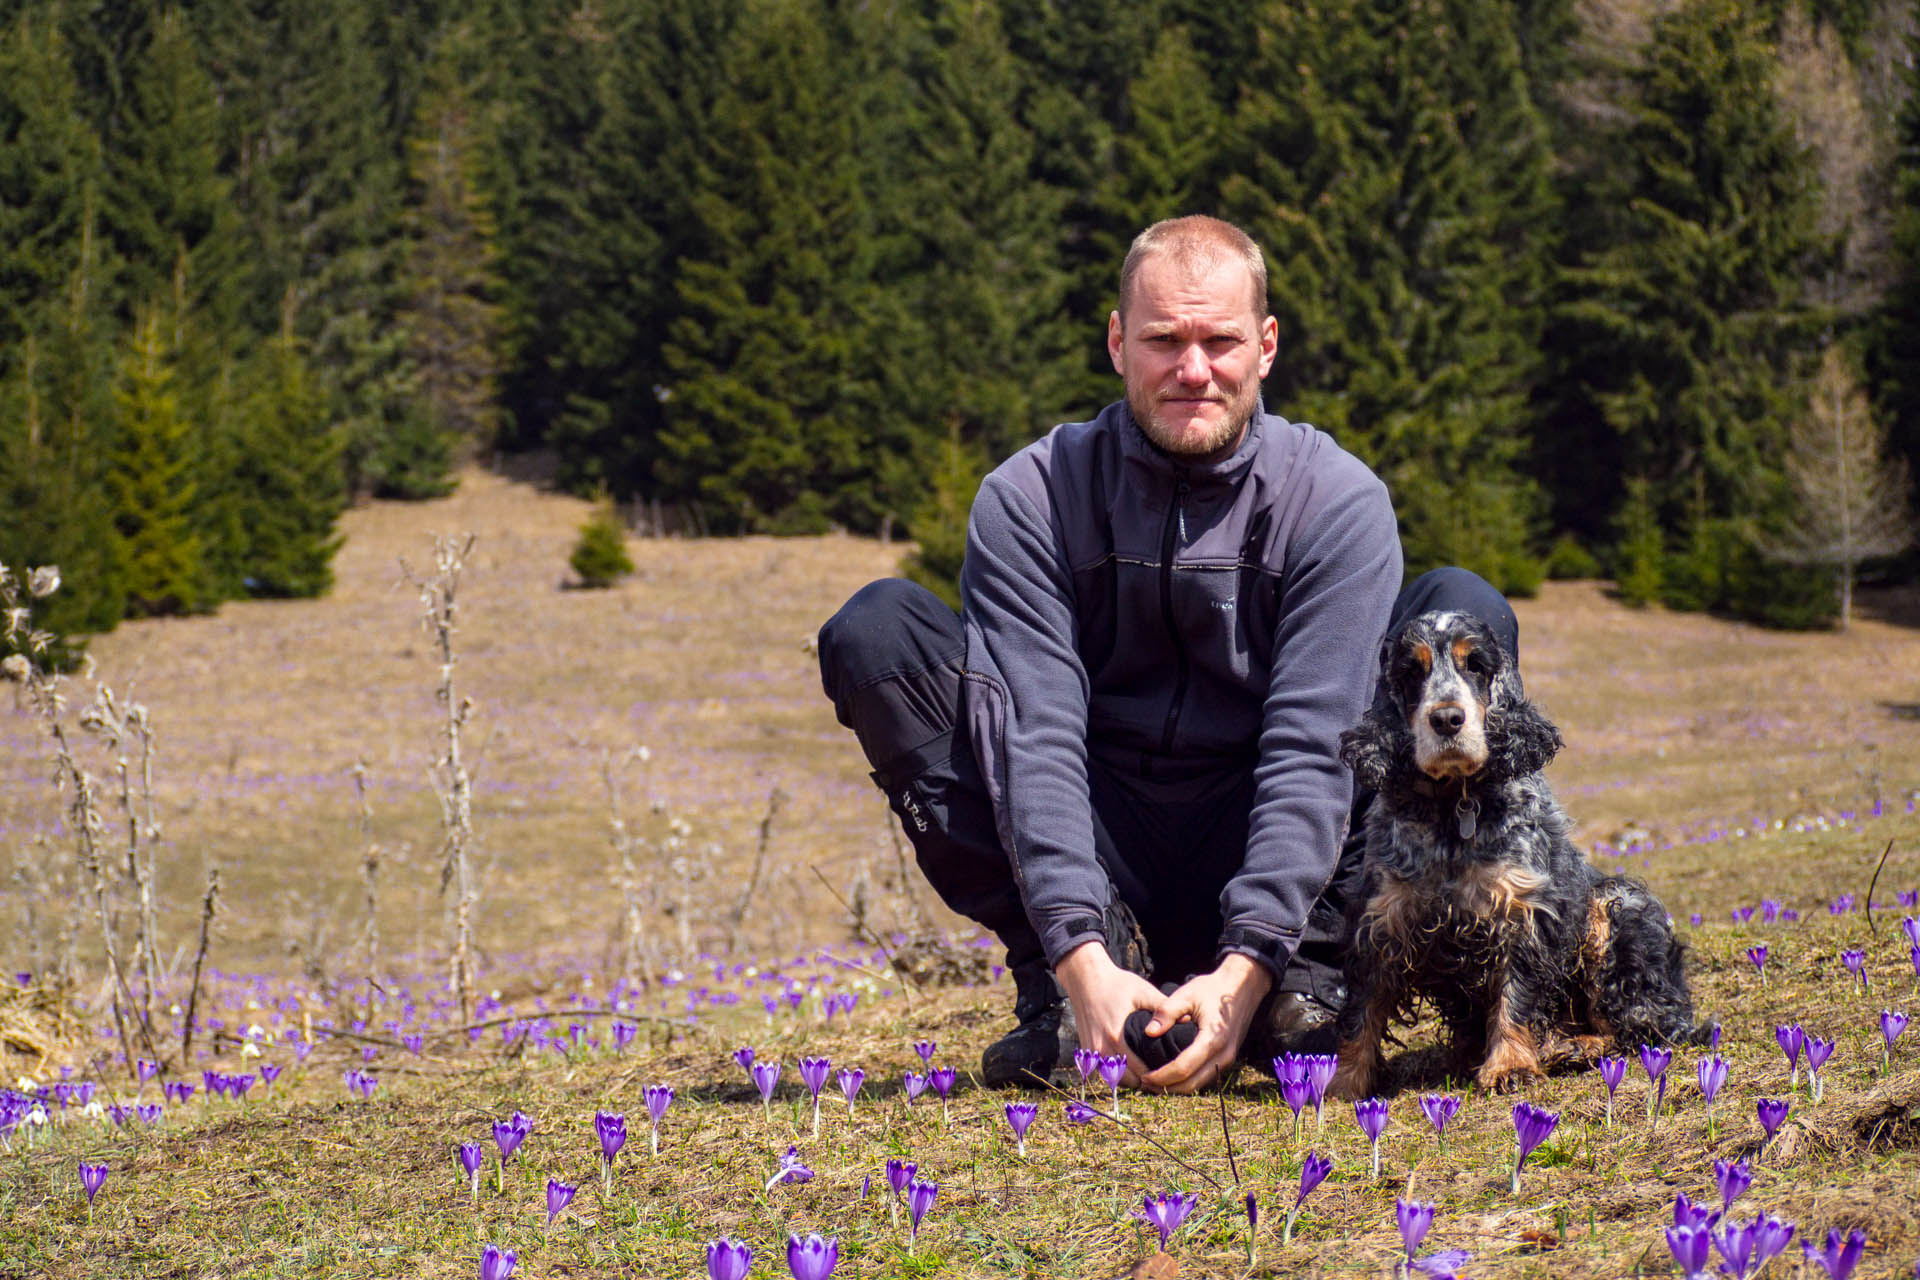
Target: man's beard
{"type": "Point", "coordinates": [1227, 434]}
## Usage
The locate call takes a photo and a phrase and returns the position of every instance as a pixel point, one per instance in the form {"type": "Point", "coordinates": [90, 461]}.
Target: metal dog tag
{"type": "Point", "coordinates": [1467, 815]}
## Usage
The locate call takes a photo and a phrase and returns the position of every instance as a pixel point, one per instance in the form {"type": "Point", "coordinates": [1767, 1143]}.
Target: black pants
{"type": "Point", "coordinates": [890, 660]}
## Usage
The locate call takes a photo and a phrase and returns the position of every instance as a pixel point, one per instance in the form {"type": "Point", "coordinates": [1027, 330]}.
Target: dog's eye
{"type": "Point", "coordinates": [1479, 664]}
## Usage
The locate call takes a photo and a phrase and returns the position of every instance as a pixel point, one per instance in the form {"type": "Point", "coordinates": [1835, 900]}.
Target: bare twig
{"type": "Point", "coordinates": [1134, 1129]}
{"type": "Point", "coordinates": [908, 983]}
{"type": "Point", "coordinates": [1871, 927]}
{"type": "Point", "coordinates": [776, 800]}
{"type": "Point", "coordinates": [199, 959]}
{"type": "Point", "coordinates": [370, 868]}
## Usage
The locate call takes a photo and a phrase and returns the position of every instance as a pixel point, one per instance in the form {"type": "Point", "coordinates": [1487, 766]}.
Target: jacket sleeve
{"type": "Point", "coordinates": [1342, 573]}
{"type": "Point", "coordinates": [1026, 696]}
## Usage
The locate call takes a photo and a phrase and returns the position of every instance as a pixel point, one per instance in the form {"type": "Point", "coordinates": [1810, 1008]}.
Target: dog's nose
{"type": "Point", "coordinates": [1447, 720]}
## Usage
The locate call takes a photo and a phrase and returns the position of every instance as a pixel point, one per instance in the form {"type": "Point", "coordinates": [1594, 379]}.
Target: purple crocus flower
{"type": "Point", "coordinates": [1736, 1244]}
{"type": "Point", "coordinates": [1655, 1062]}
{"type": "Point", "coordinates": [623, 1033]}
{"type": "Point", "coordinates": [899, 1174]}
{"type": "Point", "coordinates": [1531, 1125]}
{"type": "Point", "coordinates": [1688, 1214]}
{"type": "Point", "coordinates": [1911, 927]}
{"type": "Point", "coordinates": [1856, 962]}
{"type": "Point", "coordinates": [1313, 1171]}
{"type": "Point", "coordinates": [791, 1170]}
{"type": "Point", "coordinates": [1444, 1265]}
{"type": "Point", "coordinates": [1711, 1073]}
{"type": "Point", "coordinates": [92, 1178]}
{"type": "Point", "coordinates": [659, 1097]}
{"type": "Point", "coordinates": [813, 1074]}
{"type": "Point", "coordinates": [1692, 1247]}
{"type": "Point", "coordinates": [149, 1112]}
{"type": "Point", "coordinates": [510, 1133]}
{"type": "Point", "coordinates": [813, 1258]}
{"type": "Point", "coordinates": [1371, 1113]}
{"type": "Point", "coordinates": [1818, 1051]}
{"type": "Point", "coordinates": [1166, 1212]}
{"type": "Point", "coordinates": [1772, 1113]}
{"type": "Point", "coordinates": [1021, 1116]}
{"type": "Point", "coordinates": [1296, 1091]}
{"type": "Point", "coordinates": [1792, 1038]}
{"type": "Point", "coordinates": [1758, 957]}
{"type": "Point", "coordinates": [497, 1263]}
{"type": "Point", "coordinates": [559, 1196]}
{"type": "Point", "coordinates": [850, 1079]}
{"type": "Point", "coordinates": [147, 1069]}
{"type": "Point", "coordinates": [728, 1259]}
{"type": "Point", "coordinates": [1839, 1258]}
{"type": "Point", "coordinates": [744, 1056]}
{"type": "Point", "coordinates": [765, 1076]}
{"type": "Point", "coordinates": [1440, 1109]}
{"type": "Point", "coordinates": [269, 1073]}
{"type": "Point", "coordinates": [921, 1193]}
{"type": "Point", "coordinates": [1771, 1235]}
{"type": "Point", "coordinates": [1321, 1068]}
{"type": "Point", "coordinates": [942, 1079]}
{"type": "Point", "coordinates": [1086, 1062]}
{"type": "Point", "coordinates": [1892, 1023]}
{"type": "Point", "coordinates": [1113, 1069]}
{"type": "Point", "coordinates": [915, 1084]}
{"type": "Point", "coordinates": [926, 1049]}
{"type": "Point", "coordinates": [1612, 1072]}
{"type": "Point", "coordinates": [1733, 1178]}
{"type": "Point", "coordinates": [1413, 1218]}
{"type": "Point", "coordinates": [1079, 1112]}
{"type": "Point", "coordinates": [472, 1156]}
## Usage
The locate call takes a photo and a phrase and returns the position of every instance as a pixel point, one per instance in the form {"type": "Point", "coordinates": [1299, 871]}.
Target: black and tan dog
{"type": "Point", "coordinates": [1474, 900]}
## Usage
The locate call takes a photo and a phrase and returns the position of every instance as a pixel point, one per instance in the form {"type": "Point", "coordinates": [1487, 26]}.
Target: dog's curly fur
{"type": "Point", "coordinates": [1474, 899]}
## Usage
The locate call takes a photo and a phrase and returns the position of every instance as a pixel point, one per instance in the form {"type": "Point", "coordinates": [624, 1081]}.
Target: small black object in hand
{"type": "Point", "coordinates": [1157, 1051]}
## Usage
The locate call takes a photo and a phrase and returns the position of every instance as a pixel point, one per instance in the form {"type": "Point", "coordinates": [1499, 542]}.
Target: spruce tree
{"type": "Point", "coordinates": [1687, 329]}
{"type": "Point", "coordinates": [1388, 156]}
{"type": "Point", "coordinates": [771, 352]}
{"type": "Point", "coordinates": [451, 317]}
{"type": "Point", "coordinates": [151, 479]}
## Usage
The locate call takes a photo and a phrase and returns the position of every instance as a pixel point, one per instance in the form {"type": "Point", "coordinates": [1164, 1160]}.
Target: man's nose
{"type": "Point", "coordinates": [1194, 367]}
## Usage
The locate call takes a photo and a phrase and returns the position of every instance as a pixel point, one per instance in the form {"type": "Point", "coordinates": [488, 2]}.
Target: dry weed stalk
{"type": "Point", "coordinates": [370, 869]}
{"type": "Point", "coordinates": [628, 879]}
{"type": "Point", "coordinates": [452, 781]}
{"type": "Point", "coordinates": [114, 723]}
{"type": "Point", "coordinates": [207, 906]}
{"type": "Point", "coordinates": [83, 805]}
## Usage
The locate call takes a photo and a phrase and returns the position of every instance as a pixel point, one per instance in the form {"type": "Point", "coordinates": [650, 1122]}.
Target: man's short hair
{"type": "Point", "coordinates": [1196, 243]}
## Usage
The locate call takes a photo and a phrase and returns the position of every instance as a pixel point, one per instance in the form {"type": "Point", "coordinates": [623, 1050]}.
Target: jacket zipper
{"type": "Point", "coordinates": [1176, 523]}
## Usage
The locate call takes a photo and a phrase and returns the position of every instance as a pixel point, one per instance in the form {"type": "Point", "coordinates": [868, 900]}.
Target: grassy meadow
{"type": "Point", "coordinates": [1731, 767]}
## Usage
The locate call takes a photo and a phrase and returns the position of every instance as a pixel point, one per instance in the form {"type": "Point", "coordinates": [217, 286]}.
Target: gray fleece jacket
{"type": "Point", "coordinates": [1150, 615]}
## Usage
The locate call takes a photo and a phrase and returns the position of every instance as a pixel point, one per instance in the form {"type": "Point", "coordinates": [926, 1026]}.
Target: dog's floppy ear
{"type": "Point", "coordinates": [1380, 743]}
{"type": "Point", "coordinates": [1520, 740]}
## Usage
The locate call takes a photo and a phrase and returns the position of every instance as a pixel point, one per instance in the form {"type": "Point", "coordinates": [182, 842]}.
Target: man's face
{"type": "Point", "coordinates": [1192, 353]}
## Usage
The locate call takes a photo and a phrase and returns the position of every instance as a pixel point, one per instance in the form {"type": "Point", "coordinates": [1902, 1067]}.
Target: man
{"type": "Point", "coordinates": [1121, 756]}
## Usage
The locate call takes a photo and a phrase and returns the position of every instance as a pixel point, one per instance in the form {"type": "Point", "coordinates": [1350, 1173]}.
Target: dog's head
{"type": "Point", "coordinates": [1448, 705]}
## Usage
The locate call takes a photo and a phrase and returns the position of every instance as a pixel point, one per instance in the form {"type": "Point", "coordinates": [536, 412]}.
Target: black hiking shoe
{"type": "Point", "coordinates": [1046, 1037]}
{"type": "Point", "coordinates": [1288, 1022]}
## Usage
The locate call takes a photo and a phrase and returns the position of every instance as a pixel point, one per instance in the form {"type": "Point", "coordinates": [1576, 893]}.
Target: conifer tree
{"type": "Point", "coordinates": [1894, 354]}
{"type": "Point", "coordinates": [600, 555]}
{"type": "Point", "coordinates": [151, 479]}
{"type": "Point", "coordinates": [451, 318]}
{"type": "Point", "coordinates": [770, 355]}
{"type": "Point", "coordinates": [1689, 321]}
{"type": "Point", "coordinates": [1389, 158]}
{"type": "Point", "coordinates": [1166, 157]}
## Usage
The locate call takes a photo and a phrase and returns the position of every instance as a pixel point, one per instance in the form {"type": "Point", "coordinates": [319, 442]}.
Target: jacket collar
{"type": "Point", "coordinates": [1140, 451]}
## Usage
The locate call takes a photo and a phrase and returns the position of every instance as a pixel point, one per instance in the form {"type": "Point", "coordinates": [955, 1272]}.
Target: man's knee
{"type": "Point", "coordinates": [888, 626]}
{"type": "Point", "coordinates": [1456, 590]}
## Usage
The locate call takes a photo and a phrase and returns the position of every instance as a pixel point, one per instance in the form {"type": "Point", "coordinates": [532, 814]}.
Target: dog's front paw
{"type": "Point", "coordinates": [1357, 1073]}
{"type": "Point", "coordinates": [1505, 1079]}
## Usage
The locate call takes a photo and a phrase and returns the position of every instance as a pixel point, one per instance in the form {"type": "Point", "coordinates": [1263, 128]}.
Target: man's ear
{"type": "Point", "coordinates": [1269, 344]}
{"type": "Point", "coordinates": [1115, 334]}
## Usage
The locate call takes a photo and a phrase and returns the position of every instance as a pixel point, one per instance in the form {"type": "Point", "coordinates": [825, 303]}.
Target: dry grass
{"type": "Point", "coordinates": [312, 1184]}
{"type": "Point", "coordinates": [1678, 725]}
{"type": "Point", "coordinates": [1675, 723]}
